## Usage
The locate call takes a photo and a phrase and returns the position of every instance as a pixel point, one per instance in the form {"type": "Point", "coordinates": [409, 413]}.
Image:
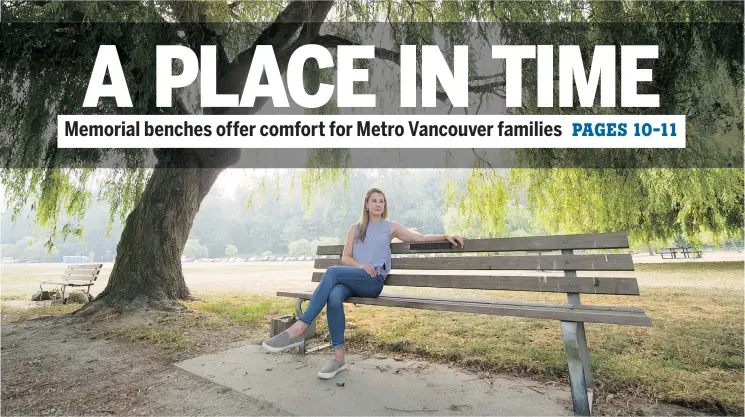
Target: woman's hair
{"type": "Point", "coordinates": [365, 218]}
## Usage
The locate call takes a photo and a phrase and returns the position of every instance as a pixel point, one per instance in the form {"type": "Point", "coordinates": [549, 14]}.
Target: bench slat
{"type": "Point", "coordinates": [85, 266]}
{"type": "Point", "coordinates": [78, 277]}
{"type": "Point", "coordinates": [617, 240]}
{"type": "Point", "coordinates": [581, 313]}
{"type": "Point", "coordinates": [82, 272]}
{"type": "Point", "coordinates": [583, 285]}
{"type": "Point", "coordinates": [619, 309]}
{"type": "Point", "coordinates": [610, 262]}
{"type": "Point", "coordinates": [71, 283]}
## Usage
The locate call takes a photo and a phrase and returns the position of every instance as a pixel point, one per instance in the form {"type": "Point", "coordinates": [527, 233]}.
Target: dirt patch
{"type": "Point", "coordinates": [54, 366]}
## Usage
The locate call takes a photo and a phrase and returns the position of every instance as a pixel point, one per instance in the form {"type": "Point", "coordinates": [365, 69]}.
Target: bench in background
{"type": "Point", "coordinates": [76, 276]}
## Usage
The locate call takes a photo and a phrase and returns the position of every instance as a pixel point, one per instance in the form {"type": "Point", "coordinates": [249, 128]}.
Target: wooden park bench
{"type": "Point", "coordinates": [672, 253]}
{"type": "Point", "coordinates": [573, 315]}
{"type": "Point", "coordinates": [84, 275]}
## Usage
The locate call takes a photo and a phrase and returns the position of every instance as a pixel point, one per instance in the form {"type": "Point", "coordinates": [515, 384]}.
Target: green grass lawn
{"type": "Point", "coordinates": [692, 355]}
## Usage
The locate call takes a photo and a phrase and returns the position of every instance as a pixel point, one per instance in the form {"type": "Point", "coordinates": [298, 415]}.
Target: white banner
{"type": "Point", "coordinates": [371, 131]}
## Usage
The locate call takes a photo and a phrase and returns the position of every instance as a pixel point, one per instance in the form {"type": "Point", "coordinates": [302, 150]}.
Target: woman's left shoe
{"type": "Point", "coordinates": [282, 342]}
{"type": "Point", "coordinates": [332, 368]}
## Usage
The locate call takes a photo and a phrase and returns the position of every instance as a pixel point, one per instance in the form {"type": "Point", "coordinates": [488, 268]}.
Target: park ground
{"type": "Point", "coordinates": [689, 362]}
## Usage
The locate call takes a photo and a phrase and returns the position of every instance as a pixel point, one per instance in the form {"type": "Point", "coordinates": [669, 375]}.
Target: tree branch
{"type": "Point", "coordinates": [332, 41]}
{"type": "Point", "coordinates": [481, 159]}
{"type": "Point", "coordinates": [305, 17]}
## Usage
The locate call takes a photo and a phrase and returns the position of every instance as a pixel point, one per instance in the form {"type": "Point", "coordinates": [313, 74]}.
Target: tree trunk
{"type": "Point", "coordinates": [147, 272]}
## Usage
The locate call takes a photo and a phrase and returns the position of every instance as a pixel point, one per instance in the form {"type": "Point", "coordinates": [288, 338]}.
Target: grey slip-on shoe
{"type": "Point", "coordinates": [282, 342]}
{"type": "Point", "coordinates": [331, 369]}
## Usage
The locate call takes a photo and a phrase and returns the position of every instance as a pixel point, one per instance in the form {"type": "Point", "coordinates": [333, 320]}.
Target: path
{"type": "Point", "coordinates": [374, 386]}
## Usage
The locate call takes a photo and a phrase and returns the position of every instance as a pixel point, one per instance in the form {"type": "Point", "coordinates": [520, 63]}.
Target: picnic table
{"type": "Point", "coordinates": [686, 251]}
{"type": "Point", "coordinates": [689, 252]}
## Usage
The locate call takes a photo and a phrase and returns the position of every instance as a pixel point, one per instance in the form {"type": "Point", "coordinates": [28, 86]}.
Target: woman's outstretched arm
{"type": "Point", "coordinates": [405, 235]}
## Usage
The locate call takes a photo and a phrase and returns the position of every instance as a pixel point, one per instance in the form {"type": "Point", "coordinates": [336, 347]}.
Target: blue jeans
{"type": "Point", "coordinates": [338, 284]}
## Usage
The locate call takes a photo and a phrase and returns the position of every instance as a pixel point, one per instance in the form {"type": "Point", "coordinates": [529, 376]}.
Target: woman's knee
{"type": "Point", "coordinates": [337, 296]}
{"type": "Point", "coordinates": [331, 272]}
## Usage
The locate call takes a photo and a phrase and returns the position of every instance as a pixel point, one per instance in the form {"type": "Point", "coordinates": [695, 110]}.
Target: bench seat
{"type": "Point", "coordinates": [565, 312]}
{"type": "Point", "coordinates": [70, 283]}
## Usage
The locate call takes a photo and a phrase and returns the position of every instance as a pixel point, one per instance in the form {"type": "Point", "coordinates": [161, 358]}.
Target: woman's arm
{"type": "Point", "coordinates": [346, 257]}
{"type": "Point", "coordinates": [407, 236]}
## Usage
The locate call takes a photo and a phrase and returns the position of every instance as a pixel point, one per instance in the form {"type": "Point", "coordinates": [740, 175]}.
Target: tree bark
{"type": "Point", "coordinates": [147, 272]}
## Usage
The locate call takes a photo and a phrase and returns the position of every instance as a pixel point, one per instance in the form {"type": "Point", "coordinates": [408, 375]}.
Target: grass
{"type": "Point", "coordinates": [687, 268]}
{"type": "Point", "coordinates": [692, 355]}
{"type": "Point", "coordinates": [218, 318]}
{"type": "Point", "coordinates": [244, 309]}
{"type": "Point", "coordinates": [51, 310]}
{"type": "Point", "coordinates": [166, 339]}
{"type": "Point", "coordinates": [715, 272]}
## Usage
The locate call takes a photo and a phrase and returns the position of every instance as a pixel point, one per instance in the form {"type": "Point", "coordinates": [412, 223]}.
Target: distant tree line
{"type": "Point", "coordinates": [271, 216]}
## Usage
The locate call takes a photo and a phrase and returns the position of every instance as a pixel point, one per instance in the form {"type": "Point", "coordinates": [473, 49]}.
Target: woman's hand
{"type": "Point", "coordinates": [369, 269]}
{"type": "Point", "coordinates": [454, 239]}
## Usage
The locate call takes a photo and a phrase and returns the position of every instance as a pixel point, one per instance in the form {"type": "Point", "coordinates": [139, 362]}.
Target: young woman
{"type": "Point", "coordinates": [365, 264]}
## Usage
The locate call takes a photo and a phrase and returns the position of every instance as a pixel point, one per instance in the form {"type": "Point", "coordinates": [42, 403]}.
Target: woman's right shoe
{"type": "Point", "coordinates": [282, 342]}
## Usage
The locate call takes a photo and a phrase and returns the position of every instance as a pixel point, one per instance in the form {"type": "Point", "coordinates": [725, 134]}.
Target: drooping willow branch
{"type": "Point", "coordinates": [332, 41]}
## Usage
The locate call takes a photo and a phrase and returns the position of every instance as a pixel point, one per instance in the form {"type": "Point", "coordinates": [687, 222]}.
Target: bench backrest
{"type": "Point", "coordinates": [83, 272]}
{"type": "Point", "coordinates": [563, 259]}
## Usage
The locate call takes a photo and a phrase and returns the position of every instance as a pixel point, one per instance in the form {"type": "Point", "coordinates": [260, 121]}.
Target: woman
{"type": "Point", "coordinates": [365, 264]}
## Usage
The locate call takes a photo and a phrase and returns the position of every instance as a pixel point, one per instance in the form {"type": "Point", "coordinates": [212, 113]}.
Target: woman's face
{"type": "Point", "coordinates": [376, 204]}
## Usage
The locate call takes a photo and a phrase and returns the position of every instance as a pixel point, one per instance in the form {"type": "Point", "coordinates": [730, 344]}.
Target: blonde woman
{"type": "Point", "coordinates": [365, 264]}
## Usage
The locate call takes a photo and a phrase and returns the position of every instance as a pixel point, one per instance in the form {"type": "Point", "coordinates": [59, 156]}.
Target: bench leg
{"type": "Point", "coordinates": [585, 355]}
{"type": "Point", "coordinates": [298, 313]}
{"type": "Point", "coordinates": [310, 331]}
{"type": "Point", "coordinates": [586, 365]}
{"type": "Point", "coordinates": [570, 332]}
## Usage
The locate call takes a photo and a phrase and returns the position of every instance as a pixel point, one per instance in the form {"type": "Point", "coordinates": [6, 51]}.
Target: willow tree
{"type": "Point", "coordinates": [47, 54]}
{"type": "Point", "coordinates": [46, 73]}
{"type": "Point", "coordinates": [656, 195]}
{"type": "Point", "coordinates": [48, 50]}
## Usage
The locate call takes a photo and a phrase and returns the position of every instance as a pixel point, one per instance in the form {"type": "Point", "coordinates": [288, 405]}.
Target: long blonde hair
{"type": "Point", "coordinates": [365, 217]}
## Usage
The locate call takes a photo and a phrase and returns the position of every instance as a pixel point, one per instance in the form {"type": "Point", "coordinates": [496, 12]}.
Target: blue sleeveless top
{"type": "Point", "coordinates": [376, 249]}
